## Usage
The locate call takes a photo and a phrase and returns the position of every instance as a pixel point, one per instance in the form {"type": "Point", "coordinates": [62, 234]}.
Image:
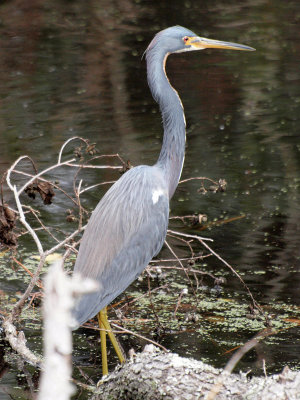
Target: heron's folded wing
{"type": "Point", "coordinates": [126, 230]}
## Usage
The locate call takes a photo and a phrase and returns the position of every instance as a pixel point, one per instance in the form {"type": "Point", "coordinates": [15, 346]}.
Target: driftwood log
{"type": "Point", "coordinates": [156, 375]}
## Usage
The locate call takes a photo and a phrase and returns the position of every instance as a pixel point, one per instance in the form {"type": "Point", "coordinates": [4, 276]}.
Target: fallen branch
{"type": "Point", "coordinates": [153, 375]}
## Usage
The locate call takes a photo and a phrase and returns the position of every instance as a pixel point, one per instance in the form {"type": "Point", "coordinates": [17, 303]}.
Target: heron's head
{"type": "Point", "coordinates": [177, 39]}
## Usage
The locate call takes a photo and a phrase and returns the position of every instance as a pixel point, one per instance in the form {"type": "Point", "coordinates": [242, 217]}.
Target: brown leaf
{"type": "Point", "coordinates": [91, 149]}
{"type": "Point", "coordinates": [46, 192]}
{"type": "Point", "coordinates": [9, 214]}
{"type": "Point", "coordinates": [222, 185]}
{"type": "Point", "coordinates": [7, 223]}
{"type": "Point", "coordinates": [126, 167]}
{"type": "Point", "coordinates": [30, 191]}
{"type": "Point", "coordinates": [43, 188]}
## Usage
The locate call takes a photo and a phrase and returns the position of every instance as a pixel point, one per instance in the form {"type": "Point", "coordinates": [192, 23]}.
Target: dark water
{"type": "Point", "coordinates": [74, 68]}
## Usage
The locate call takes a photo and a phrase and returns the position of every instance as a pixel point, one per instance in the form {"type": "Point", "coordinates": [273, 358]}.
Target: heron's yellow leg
{"type": "Point", "coordinates": [112, 336]}
{"type": "Point", "coordinates": [103, 344]}
{"type": "Point", "coordinates": [106, 329]}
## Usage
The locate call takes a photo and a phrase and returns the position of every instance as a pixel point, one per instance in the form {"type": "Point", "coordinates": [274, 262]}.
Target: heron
{"type": "Point", "coordinates": [129, 225]}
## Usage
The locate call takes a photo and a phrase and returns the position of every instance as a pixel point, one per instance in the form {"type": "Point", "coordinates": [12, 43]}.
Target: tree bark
{"type": "Point", "coordinates": [155, 375]}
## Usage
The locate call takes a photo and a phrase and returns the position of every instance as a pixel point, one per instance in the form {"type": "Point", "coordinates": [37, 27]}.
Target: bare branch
{"type": "Point", "coordinates": [65, 144]}
{"type": "Point", "coordinates": [11, 169]}
{"type": "Point", "coordinates": [23, 219]}
{"type": "Point", "coordinates": [17, 341]}
{"type": "Point", "coordinates": [190, 236]}
{"type": "Point", "coordinates": [197, 178]}
{"type": "Point", "coordinates": [60, 294]}
{"type": "Point", "coordinates": [235, 359]}
{"type": "Point", "coordinates": [124, 330]}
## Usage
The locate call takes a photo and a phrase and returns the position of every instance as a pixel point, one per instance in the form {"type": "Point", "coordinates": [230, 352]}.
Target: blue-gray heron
{"type": "Point", "coordinates": [129, 225]}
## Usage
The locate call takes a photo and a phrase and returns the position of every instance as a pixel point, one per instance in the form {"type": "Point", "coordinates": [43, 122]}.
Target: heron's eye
{"type": "Point", "coordinates": [185, 39]}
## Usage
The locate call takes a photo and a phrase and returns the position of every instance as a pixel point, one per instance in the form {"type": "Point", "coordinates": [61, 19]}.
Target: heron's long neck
{"type": "Point", "coordinates": [171, 157]}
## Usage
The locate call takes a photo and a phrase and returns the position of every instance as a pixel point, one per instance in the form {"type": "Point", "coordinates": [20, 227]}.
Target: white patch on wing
{"type": "Point", "coordinates": [156, 195]}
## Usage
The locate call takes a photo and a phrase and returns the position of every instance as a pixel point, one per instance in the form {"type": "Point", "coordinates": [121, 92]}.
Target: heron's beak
{"type": "Point", "coordinates": [199, 43]}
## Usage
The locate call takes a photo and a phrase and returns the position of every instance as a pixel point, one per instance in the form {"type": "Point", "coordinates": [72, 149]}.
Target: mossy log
{"type": "Point", "coordinates": [156, 375]}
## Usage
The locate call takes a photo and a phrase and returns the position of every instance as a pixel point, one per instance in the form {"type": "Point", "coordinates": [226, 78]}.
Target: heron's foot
{"type": "Point", "coordinates": [101, 381]}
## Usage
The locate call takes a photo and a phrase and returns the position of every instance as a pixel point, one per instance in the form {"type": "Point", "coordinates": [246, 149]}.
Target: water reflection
{"type": "Point", "coordinates": [74, 68]}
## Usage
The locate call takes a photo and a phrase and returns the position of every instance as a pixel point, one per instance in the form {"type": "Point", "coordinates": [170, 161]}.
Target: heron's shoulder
{"type": "Point", "coordinates": [142, 179]}
{"type": "Point", "coordinates": [137, 192]}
